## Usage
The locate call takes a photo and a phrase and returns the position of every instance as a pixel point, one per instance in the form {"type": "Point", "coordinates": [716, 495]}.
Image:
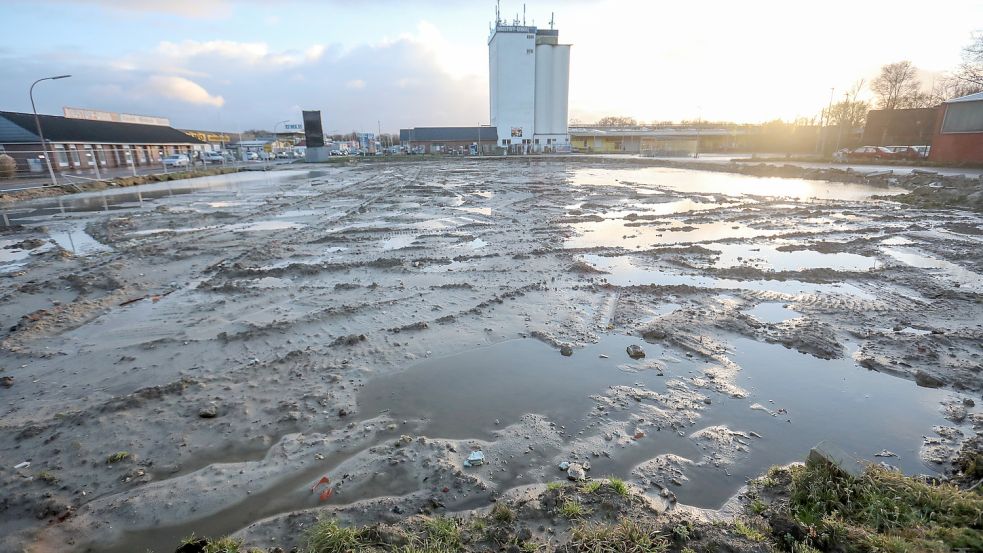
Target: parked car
{"type": "Point", "coordinates": [213, 157]}
{"type": "Point", "coordinates": [176, 160]}
{"type": "Point", "coordinates": [909, 153]}
{"type": "Point", "coordinates": [864, 153]}
{"type": "Point", "coordinates": [283, 155]}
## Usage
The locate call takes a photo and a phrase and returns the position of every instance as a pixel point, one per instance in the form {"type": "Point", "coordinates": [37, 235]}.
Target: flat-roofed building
{"type": "Point", "coordinates": [445, 140]}
{"type": "Point", "coordinates": [959, 131]}
{"type": "Point", "coordinates": [84, 144]}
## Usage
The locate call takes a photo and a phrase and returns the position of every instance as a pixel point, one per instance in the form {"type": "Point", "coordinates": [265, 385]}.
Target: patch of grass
{"type": "Point", "coordinates": [681, 532]}
{"type": "Point", "coordinates": [748, 532]}
{"type": "Point", "coordinates": [478, 524]}
{"type": "Point", "coordinates": [443, 531]}
{"type": "Point", "coordinates": [501, 513]}
{"type": "Point", "coordinates": [757, 506]}
{"type": "Point", "coordinates": [884, 510]}
{"type": "Point", "coordinates": [327, 536]}
{"type": "Point", "coordinates": [624, 537]}
{"type": "Point", "coordinates": [590, 487]}
{"type": "Point", "coordinates": [117, 457]}
{"type": "Point", "coordinates": [223, 545]}
{"type": "Point", "coordinates": [555, 486]}
{"type": "Point", "coordinates": [46, 476]}
{"type": "Point", "coordinates": [572, 509]}
{"type": "Point", "coordinates": [619, 486]}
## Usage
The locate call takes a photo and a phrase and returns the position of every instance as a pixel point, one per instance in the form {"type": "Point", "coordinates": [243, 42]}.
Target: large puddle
{"type": "Point", "coordinates": [865, 412]}
{"type": "Point", "coordinates": [622, 271]}
{"type": "Point", "coordinates": [663, 178]}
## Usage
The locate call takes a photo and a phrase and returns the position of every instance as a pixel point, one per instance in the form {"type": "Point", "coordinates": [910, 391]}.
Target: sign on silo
{"type": "Point", "coordinates": [313, 133]}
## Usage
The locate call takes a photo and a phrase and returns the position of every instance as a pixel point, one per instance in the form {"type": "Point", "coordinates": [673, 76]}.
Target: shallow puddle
{"type": "Point", "coordinates": [623, 272]}
{"type": "Point", "coordinates": [770, 258]}
{"type": "Point", "coordinates": [614, 233]}
{"type": "Point", "coordinates": [864, 412]}
{"type": "Point", "coordinates": [726, 183]}
{"type": "Point", "coordinates": [772, 312]}
{"type": "Point", "coordinates": [963, 277]}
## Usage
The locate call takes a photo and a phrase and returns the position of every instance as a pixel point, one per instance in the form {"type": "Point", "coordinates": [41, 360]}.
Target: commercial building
{"type": "Point", "coordinates": [433, 140]}
{"type": "Point", "coordinates": [959, 131]}
{"type": "Point", "coordinates": [84, 144]}
{"type": "Point", "coordinates": [900, 127]}
{"type": "Point", "coordinates": [665, 140]}
{"type": "Point", "coordinates": [529, 82]}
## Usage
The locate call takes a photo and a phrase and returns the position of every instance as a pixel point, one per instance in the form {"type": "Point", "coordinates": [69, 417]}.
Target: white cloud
{"type": "Point", "coordinates": [355, 84]}
{"type": "Point", "coordinates": [247, 52]}
{"type": "Point", "coordinates": [185, 90]}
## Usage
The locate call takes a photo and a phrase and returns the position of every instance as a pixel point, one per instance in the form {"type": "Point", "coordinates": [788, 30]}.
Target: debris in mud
{"type": "Point", "coordinates": [348, 340]}
{"type": "Point", "coordinates": [209, 411]}
{"type": "Point", "coordinates": [635, 351]}
{"type": "Point", "coordinates": [576, 472]}
{"type": "Point", "coordinates": [566, 350]}
{"type": "Point", "coordinates": [475, 459]}
{"type": "Point", "coordinates": [6, 381]}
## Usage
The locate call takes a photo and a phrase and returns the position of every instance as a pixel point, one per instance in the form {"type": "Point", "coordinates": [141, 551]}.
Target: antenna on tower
{"type": "Point", "coordinates": [551, 20]}
{"type": "Point", "coordinates": [498, 6]}
{"type": "Point", "coordinates": [523, 15]}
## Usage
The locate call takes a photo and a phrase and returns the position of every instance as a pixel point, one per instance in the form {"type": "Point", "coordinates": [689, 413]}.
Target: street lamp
{"type": "Point", "coordinates": [37, 122]}
{"type": "Point", "coordinates": [276, 140]}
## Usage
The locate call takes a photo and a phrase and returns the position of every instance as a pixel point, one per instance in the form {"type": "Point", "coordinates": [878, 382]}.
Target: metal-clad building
{"type": "Point", "coordinates": [433, 140]}
{"type": "Point", "coordinates": [959, 131]}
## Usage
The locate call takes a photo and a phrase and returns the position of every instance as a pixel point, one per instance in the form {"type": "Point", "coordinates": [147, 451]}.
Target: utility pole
{"type": "Point", "coordinates": [822, 124]}
{"type": "Point", "coordinates": [846, 106]}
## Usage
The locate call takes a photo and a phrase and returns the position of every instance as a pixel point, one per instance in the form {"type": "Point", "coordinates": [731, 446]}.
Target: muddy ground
{"type": "Point", "coordinates": [193, 359]}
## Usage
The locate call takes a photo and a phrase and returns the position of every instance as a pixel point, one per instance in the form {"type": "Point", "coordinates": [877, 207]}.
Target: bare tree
{"type": "Point", "coordinates": [898, 87]}
{"type": "Point", "coordinates": [617, 121]}
{"type": "Point", "coordinates": [952, 86]}
{"type": "Point", "coordinates": [971, 69]}
{"type": "Point", "coordinates": [851, 112]}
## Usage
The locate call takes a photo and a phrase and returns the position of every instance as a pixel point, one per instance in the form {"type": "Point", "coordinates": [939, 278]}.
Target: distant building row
{"type": "Point", "coordinates": [80, 144]}
{"type": "Point", "coordinates": [954, 130]}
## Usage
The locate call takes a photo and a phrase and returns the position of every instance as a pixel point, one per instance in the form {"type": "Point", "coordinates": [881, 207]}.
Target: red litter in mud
{"type": "Point", "coordinates": [327, 493]}
{"type": "Point", "coordinates": [638, 435]}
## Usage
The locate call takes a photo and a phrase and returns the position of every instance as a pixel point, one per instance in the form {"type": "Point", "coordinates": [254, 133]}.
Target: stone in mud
{"type": "Point", "coordinates": [576, 472]}
{"type": "Point", "coordinates": [654, 334]}
{"type": "Point", "coordinates": [7, 381]}
{"type": "Point", "coordinates": [635, 351]}
{"type": "Point", "coordinates": [566, 350]}
{"type": "Point", "coordinates": [926, 380]}
{"type": "Point", "coordinates": [209, 411]}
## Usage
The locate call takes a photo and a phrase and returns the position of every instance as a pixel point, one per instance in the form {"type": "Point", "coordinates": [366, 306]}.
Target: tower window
{"type": "Point", "coordinates": [529, 50]}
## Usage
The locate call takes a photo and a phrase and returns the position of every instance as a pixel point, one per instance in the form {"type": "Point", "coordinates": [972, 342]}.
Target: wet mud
{"type": "Point", "coordinates": [194, 358]}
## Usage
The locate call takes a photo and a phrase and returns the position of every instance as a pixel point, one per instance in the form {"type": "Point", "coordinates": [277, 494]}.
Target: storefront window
{"type": "Point", "coordinates": [74, 153]}
{"type": "Point", "coordinates": [101, 156]}
{"type": "Point", "coordinates": [60, 156]}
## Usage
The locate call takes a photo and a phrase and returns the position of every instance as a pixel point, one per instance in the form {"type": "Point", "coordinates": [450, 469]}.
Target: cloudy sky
{"type": "Point", "coordinates": [240, 64]}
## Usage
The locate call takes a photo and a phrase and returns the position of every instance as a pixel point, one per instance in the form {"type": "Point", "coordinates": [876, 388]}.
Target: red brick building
{"type": "Point", "coordinates": [959, 131]}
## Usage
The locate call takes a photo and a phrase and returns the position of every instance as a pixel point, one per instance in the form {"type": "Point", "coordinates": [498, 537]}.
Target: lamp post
{"type": "Point", "coordinates": [37, 122]}
{"type": "Point", "coordinates": [275, 139]}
